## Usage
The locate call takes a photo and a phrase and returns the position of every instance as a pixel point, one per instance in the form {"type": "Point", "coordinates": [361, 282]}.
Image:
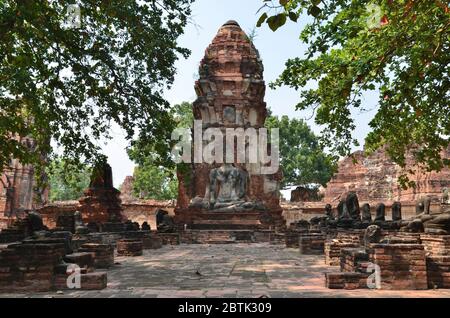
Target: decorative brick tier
{"type": "Point", "coordinates": [197, 219]}
{"type": "Point", "coordinates": [103, 254]}
{"type": "Point", "coordinates": [402, 237]}
{"type": "Point", "coordinates": [217, 236]}
{"type": "Point", "coordinates": [129, 247]}
{"type": "Point", "coordinates": [402, 266]}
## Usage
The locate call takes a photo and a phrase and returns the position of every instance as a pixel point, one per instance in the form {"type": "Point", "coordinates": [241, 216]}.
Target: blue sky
{"type": "Point", "coordinates": [275, 49]}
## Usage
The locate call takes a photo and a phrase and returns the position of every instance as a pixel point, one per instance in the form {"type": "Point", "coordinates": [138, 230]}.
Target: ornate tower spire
{"type": "Point", "coordinates": [231, 88]}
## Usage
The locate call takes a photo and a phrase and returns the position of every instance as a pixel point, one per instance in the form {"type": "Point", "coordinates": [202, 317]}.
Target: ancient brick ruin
{"type": "Point", "coordinates": [18, 189]}
{"type": "Point", "coordinates": [230, 94]}
{"type": "Point", "coordinates": [365, 233]}
{"type": "Point", "coordinates": [101, 201]}
{"type": "Point", "coordinates": [374, 178]}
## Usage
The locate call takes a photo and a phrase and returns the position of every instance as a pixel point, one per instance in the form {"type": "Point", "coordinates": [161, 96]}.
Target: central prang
{"type": "Point", "coordinates": [230, 98]}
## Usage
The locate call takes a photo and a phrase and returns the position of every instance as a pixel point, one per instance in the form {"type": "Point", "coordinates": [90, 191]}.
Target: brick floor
{"type": "Point", "coordinates": [231, 270]}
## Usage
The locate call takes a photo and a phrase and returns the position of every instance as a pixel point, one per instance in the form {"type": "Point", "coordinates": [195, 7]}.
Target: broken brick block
{"type": "Point", "coordinates": [88, 281]}
{"type": "Point", "coordinates": [346, 280]}
{"type": "Point", "coordinates": [103, 254]}
{"type": "Point", "coordinates": [402, 266]}
{"type": "Point", "coordinates": [129, 247]}
{"type": "Point", "coordinates": [83, 260]}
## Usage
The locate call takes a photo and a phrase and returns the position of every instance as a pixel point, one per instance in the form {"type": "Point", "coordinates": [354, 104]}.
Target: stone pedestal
{"type": "Point", "coordinates": [436, 244]}
{"type": "Point", "coordinates": [292, 239]}
{"type": "Point", "coordinates": [199, 219]}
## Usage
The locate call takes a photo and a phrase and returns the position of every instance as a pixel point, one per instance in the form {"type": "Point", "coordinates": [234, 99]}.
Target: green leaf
{"type": "Point", "coordinates": [261, 19]}
{"type": "Point", "coordinates": [314, 11]}
{"type": "Point", "coordinates": [284, 2]}
{"type": "Point", "coordinates": [293, 16]}
{"type": "Point", "coordinates": [276, 21]}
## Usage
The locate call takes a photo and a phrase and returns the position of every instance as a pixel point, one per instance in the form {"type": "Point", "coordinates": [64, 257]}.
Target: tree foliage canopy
{"type": "Point", "coordinates": [155, 174]}
{"type": "Point", "coordinates": [69, 84]}
{"type": "Point", "coordinates": [400, 48]}
{"type": "Point", "coordinates": [153, 182]}
{"type": "Point", "coordinates": [66, 180]}
{"type": "Point", "coordinates": [302, 159]}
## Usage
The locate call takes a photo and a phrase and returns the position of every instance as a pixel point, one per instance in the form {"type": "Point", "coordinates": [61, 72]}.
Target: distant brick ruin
{"type": "Point", "coordinates": [126, 190]}
{"type": "Point", "coordinates": [101, 201]}
{"type": "Point", "coordinates": [374, 179]}
{"type": "Point", "coordinates": [18, 189]}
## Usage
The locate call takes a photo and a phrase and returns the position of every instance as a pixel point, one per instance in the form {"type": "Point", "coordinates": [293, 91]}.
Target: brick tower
{"type": "Point", "coordinates": [230, 95]}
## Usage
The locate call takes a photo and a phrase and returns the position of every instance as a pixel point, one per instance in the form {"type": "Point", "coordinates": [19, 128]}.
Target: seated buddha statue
{"type": "Point", "coordinates": [226, 191]}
